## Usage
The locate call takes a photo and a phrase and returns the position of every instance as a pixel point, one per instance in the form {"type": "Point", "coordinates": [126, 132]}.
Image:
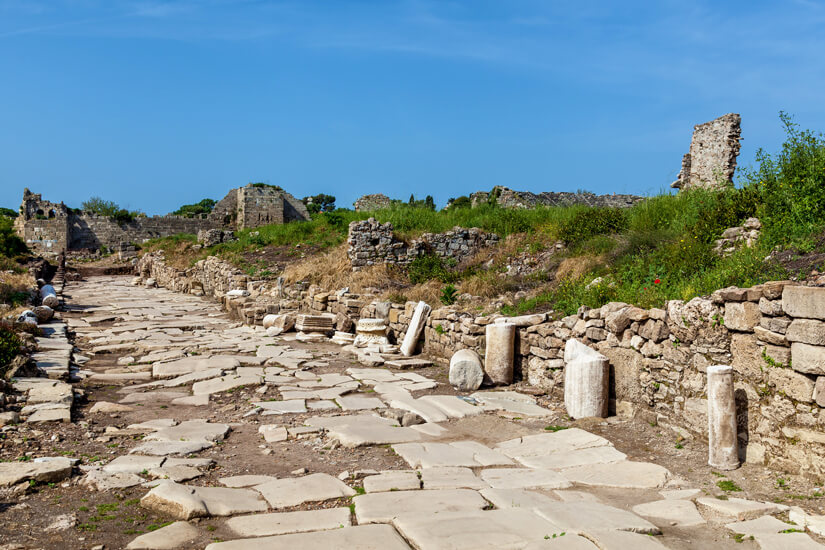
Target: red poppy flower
{"type": "Point", "coordinates": [657, 281]}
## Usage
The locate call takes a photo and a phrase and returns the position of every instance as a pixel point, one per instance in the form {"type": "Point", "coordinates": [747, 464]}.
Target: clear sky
{"type": "Point", "coordinates": [154, 104]}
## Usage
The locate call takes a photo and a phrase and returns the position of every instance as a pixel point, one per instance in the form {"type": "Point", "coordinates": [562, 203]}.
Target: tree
{"type": "Point", "coordinates": [199, 208]}
{"type": "Point", "coordinates": [8, 212]}
{"type": "Point", "coordinates": [460, 202]}
{"type": "Point", "coordinates": [96, 205]}
{"type": "Point", "coordinates": [319, 203]}
{"type": "Point", "coordinates": [10, 244]}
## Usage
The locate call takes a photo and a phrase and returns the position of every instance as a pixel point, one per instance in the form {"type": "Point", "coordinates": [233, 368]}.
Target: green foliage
{"type": "Point", "coordinates": [319, 203]}
{"type": "Point", "coordinates": [428, 203]}
{"type": "Point", "coordinates": [9, 347]}
{"type": "Point", "coordinates": [430, 268]}
{"type": "Point", "coordinates": [449, 295]}
{"type": "Point", "coordinates": [261, 185]}
{"type": "Point", "coordinates": [10, 244]}
{"type": "Point", "coordinates": [97, 205]}
{"type": "Point", "coordinates": [590, 222]}
{"type": "Point", "coordinates": [8, 212]}
{"type": "Point", "coordinates": [205, 206]}
{"type": "Point", "coordinates": [460, 202]}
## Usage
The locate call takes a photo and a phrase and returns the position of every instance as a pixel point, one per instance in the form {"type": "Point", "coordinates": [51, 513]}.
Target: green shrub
{"type": "Point", "coordinates": [9, 347]}
{"type": "Point", "coordinates": [449, 295]}
{"type": "Point", "coordinates": [10, 244]}
{"type": "Point", "coordinates": [197, 209]}
{"type": "Point", "coordinates": [8, 212]}
{"type": "Point", "coordinates": [590, 222]}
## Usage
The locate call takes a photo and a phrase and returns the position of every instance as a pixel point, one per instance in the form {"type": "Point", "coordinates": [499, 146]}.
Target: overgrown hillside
{"type": "Point", "coordinates": [660, 249]}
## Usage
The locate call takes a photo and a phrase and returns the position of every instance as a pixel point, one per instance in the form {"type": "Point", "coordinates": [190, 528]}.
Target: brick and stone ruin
{"type": "Point", "coordinates": [507, 198]}
{"type": "Point", "coordinates": [711, 160]}
{"type": "Point", "coordinates": [50, 228]}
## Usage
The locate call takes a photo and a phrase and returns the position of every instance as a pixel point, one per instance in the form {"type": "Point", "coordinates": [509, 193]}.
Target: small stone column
{"type": "Point", "coordinates": [723, 445]}
{"type": "Point", "coordinates": [466, 373]}
{"type": "Point", "coordinates": [586, 381]}
{"type": "Point", "coordinates": [498, 358]}
{"type": "Point", "coordinates": [419, 318]}
{"type": "Point", "coordinates": [48, 296]}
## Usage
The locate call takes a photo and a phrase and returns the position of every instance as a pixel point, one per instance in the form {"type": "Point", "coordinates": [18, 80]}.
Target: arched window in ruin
{"type": "Point", "coordinates": [52, 213]}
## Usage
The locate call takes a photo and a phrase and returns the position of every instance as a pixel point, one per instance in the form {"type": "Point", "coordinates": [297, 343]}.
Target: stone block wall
{"type": "Point", "coordinates": [771, 334]}
{"type": "Point", "coordinates": [370, 203]}
{"type": "Point", "coordinates": [90, 231]}
{"type": "Point", "coordinates": [711, 160]}
{"type": "Point", "coordinates": [508, 198]}
{"type": "Point", "coordinates": [371, 243]}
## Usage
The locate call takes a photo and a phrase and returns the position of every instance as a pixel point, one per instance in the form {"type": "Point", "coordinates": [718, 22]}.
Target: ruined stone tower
{"type": "Point", "coordinates": [711, 161]}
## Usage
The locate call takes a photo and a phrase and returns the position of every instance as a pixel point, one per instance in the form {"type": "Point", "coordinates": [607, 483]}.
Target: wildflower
{"type": "Point", "coordinates": [657, 281]}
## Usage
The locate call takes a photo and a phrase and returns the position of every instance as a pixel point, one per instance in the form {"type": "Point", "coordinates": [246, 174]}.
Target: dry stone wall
{"type": "Point", "coordinates": [508, 198]}
{"type": "Point", "coordinates": [771, 334]}
{"type": "Point", "coordinates": [371, 243]}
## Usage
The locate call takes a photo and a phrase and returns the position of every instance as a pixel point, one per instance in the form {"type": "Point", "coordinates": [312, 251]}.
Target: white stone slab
{"type": "Point", "coordinates": [523, 478]}
{"type": "Point", "coordinates": [283, 493]}
{"type": "Point", "coordinates": [362, 537]}
{"type": "Point", "coordinates": [262, 525]}
{"type": "Point", "coordinates": [384, 507]}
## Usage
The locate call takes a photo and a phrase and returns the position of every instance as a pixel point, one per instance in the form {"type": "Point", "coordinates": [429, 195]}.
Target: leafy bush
{"type": "Point", "coordinates": [449, 295]}
{"type": "Point", "coordinates": [319, 203]}
{"type": "Point", "coordinates": [460, 202]}
{"type": "Point", "coordinates": [205, 206]}
{"type": "Point", "coordinates": [590, 222]}
{"type": "Point", "coordinates": [9, 347]}
{"type": "Point", "coordinates": [110, 209]}
{"type": "Point", "coordinates": [10, 244]}
{"type": "Point", "coordinates": [8, 212]}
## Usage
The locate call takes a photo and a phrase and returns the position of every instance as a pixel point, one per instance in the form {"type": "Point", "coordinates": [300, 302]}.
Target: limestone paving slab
{"type": "Point", "coordinates": [359, 402]}
{"type": "Point", "coordinates": [42, 470]}
{"type": "Point", "coordinates": [282, 493]}
{"type": "Point", "coordinates": [190, 430]}
{"type": "Point", "coordinates": [357, 430]}
{"type": "Point", "coordinates": [451, 478]}
{"type": "Point", "coordinates": [186, 502]}
{"type": "Point", "coordinates": [433, 455]}
{"type": "Point", "coordinates": [764, 525]}
{"type": "Point", "coordinates": [524, 478]}
{"type": "Point", "coordinates": [133, 464]}
{"type": "Point", "coordinates": [384, 507]}
{"type": "Point", "coordinates": [245, 481]}
{"type": "Point", "coordinates": [734, 508]}
{"type": "Point", "coordinates": [291, 406]}
{"type": "Point", "coordinates": [164, 448]}
{"type": "Point", "coordinates": [224, 383]}
{"type": "Point", "coordinates": [392, 480]}
{"type": "Point", "coordinates": [451, 405]}
{"type": "Point", "coordinates": [539, 445]}
{"type": "Point", "coordinates": [622, 540]}
{"type": "Point", "coordinates": [362, 537]}
{"type": "Point", "coordinates": [787, 541]}
{"type": "Point", "coordinates": [517, 498]}
{"type": "Point", "coordinates": [581, 516]}
{"type": "Point", "coordinates": [626, 475]}
{"type": "Point", "coordinates": [675, 512]}
{"type": "Point", "coordinates": [284, 523]}
{"type": "Point", "coordinates": [606, 454]}
{"type": "Point", "coordinates": [176, 535]}
{"type": "Point", "coordinates": [478, 530]}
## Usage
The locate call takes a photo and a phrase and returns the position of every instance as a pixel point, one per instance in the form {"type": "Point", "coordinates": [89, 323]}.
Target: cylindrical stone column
{"type": "Point", "coordinates": [586, 381]}
{"type": "Point", "coordinates": [723, 446]}
{"type": "Point", "coordinates": [419, 319]}
{"type": "Point", "coordinates": [498, 358]}
{"type": "Point", "coordinates": [466, 373]}
{"type": "Point", "coordinates": [48, 296]}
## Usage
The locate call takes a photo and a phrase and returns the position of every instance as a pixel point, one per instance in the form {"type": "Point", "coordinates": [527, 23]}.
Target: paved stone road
{"type": "Point", "coordinates": [505, 487]}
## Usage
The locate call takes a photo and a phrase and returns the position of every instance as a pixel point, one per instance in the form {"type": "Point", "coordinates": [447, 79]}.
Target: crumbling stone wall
{"type": "Point", "coordinates": [371, 242]}
{"type": "Point", "coordinates": [51, 228]}
{"type": "Point", "coordinates": [369, 203]}
{"type": "Point", "coordinates": [770, 334]}
{"type": "Point", "coordinates": [507, 198]}
{"type": "Point", "coordinates": [711, 160]}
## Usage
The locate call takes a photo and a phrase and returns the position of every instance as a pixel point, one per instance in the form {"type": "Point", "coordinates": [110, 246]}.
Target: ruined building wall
{"type": "Point", "coordinates": [711, 160]}
{"type": "Point", "coordinates": [508, 198]}
{"type": "Point", "coordinates": [93, 232]}
{"type": "Point", "coordinates": [371, 242]}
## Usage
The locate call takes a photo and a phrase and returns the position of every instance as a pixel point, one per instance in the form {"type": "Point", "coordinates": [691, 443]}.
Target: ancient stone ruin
{"type": "Point", "coordinates": [372, 242]}
{"type": "Point", "coordinates": [508, 198]}
{"type": "Point", "coordinates": [711, 160]}
{"type": "Point", "coordinates": [369, 203]}
{"type": "Point", "coordinates": [50, 228]}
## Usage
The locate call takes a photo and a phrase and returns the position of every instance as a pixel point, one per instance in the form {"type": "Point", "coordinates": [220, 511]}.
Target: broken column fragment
{"type": "Point", "coordinates": [466, 373]}
{"type": "Point", "coordinates": [48, 296]}
{"type": "Point", "coordinates": [586, 377]}
{"type": "Point", "coordinates": [419, 318]}
{"type": "Point", "coordinates": [498, 357]}
{"type": "Point", "coordinates": [723, 452]}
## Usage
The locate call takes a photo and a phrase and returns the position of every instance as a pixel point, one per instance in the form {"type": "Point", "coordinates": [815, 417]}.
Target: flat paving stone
{"type": "Point", "coordinates": [393, 480]}
{"type": "Point", "coordinates": [479, 530]}
{"type": "Point", "coordinates": [188, 365]}
{"type": "Point", "coordinates": [451, 478]}
{"type": "Point", "coordinates": [102, 480]}
{"type": "Point", "coordinates": [152, 397]}
{"type": "Point", "coordinates": [186, 502]}
{"type": "Point", "coordinates": [359, 402]}
{"type": "Point", "coordinates": [291, 406]}
{"type": "Point", "coordinates": [452, 406]}
{"type": "Point", "coordinates": [765, 525]}
{"type": "Point", "coordinates": [283, 493]}
{"type": "Point", "coordinates": [245, 480]}
{"type": "Point", "coordinates": [433, 455]}
{"type": "Point", "coordinates": [567, 541]}
{"type": "Point", "coordinates": [627, 475]}
{"type": "Point", "coordinates": [787, 541]}
{"type": "Point", "coordinates": [734, 508]}
{"type": "Point", "coordinates": [539, 445]}
{"type": "Point", "coordinates": [190, 430]}
{"type": "Point", "coordinates": [524, 478]}
{"type": "Point", "coordinates": [224, 383]}
{"type": "Point", "coordinates": [384, 507]}
{"type": "Point", "coordinates": [517, 498]}
{"type": "Point", "coordinates": [605, 454]}
{"type": "Point", "coordinates": [176, 535]}
{"type": "Point", "coordinates": [579, 516]}
{"type": "Point", "coordinates": [284, 523]}
{"type": "Point", "coordinates": [358, 430]}
{"type": "Point", "coordinates": [133, 464]}
{"type": "Point", "coordinates": [164, 448]}
{"type": "Point", "coordinates": [273, 433]}
{"type": "Point", "coordinates": [362, 537]}
{"type": "Point", "coordinates": [622, 540]}
{"type": "Point", "coordinates": [676, 513]}
{"type": "Point", "coordinates": [42, 470]}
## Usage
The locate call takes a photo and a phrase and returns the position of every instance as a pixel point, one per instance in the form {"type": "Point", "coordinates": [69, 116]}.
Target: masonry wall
{"type": "Point", "coordinates": [92, 231]}
{"type": "Point", "coordinates": [711, 160]}
{"type": "Point", "coordinates": [371, 242]}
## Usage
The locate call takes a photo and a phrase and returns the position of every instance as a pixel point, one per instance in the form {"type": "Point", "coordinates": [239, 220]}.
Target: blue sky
{"type": "Point", "coordinates": [154, 104]}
